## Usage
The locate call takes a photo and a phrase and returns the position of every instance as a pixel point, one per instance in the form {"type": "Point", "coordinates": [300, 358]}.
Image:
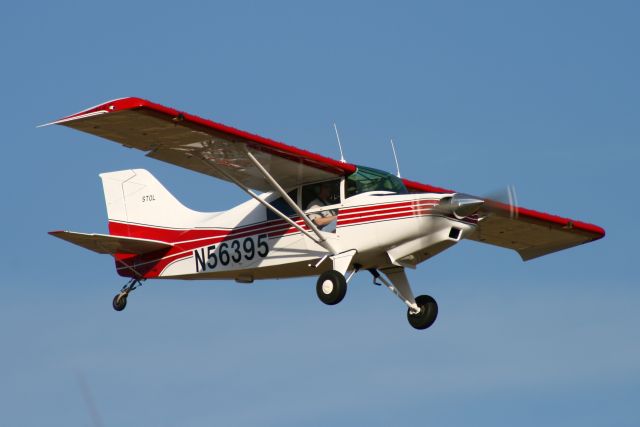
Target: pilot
{"type": "Point", "coordinates": [323, 198]}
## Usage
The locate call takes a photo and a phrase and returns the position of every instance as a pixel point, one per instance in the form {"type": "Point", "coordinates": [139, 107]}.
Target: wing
{"type": "Point", "coordinates": [530, 233]}
{"type": "Point", "coordinates": [105, 244]}
{"type": "Point", "coordinates": [203, 145]}
{"type": "Point", "coordinates": [221, 151]}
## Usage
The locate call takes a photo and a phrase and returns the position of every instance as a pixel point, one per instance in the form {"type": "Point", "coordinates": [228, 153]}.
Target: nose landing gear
{"type": "Point", "coordinates": [427, 314]}
{"type": "Point", "coordinates": [422, 310]}
{"type": "Point", "coordinates": [120, 300]}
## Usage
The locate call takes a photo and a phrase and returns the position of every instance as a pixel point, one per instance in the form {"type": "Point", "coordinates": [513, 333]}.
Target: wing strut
{"type": "Point", "coordinates": [268, 205]}
{"type": "Point", "coordinates": [322, 240]}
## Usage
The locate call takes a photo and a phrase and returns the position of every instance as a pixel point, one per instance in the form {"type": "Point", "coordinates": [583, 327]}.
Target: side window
{"type": "Point", "coordinates": [351, 187]}
{"type": "Point", "coordinates": [321, 194]}
{"type": "Point", "coordinates": [283, 206]}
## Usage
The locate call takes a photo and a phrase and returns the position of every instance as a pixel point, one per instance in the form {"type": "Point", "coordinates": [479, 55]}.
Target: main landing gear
{"type": "Point", "coordinates": [331, 288]}
{"type": "Point", "coordinates": [120, 300]}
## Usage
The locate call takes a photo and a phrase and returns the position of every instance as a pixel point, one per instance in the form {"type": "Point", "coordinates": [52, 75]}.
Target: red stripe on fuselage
{"type": "Point", "coordinates": [187, 240]}
{"type": "Point", "coordinates": [370, 208]}
{"type": "Point", "coordinates": [408, 209]}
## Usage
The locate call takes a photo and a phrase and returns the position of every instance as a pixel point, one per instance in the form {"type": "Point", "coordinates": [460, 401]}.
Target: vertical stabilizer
{"type": "Point", "coordinates": [134, 197]}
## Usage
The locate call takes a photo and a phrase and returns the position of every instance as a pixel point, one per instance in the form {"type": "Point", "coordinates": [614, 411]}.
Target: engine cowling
{"type": "Point", "coordinates": [461, 205]}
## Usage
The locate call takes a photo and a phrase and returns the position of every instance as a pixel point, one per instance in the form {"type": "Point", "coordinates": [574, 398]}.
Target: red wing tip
{"type": "Point", "coordinates": [565, 223]}
{"type": "Point", "coordinates": [106, 107]}
{"type": "Point", "coordinates": [598, 230]}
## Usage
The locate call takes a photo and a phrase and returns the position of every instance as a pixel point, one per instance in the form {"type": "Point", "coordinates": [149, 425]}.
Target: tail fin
{"type": "Point", "coordinates": [136, 201]}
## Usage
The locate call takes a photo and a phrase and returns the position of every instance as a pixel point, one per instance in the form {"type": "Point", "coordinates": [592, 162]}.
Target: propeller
{"type": "Point", "coordinates": [503, 201]}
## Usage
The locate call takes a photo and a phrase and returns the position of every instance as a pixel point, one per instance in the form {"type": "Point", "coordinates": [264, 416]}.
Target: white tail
{"type": "Point", "coordinates": [135, 196]}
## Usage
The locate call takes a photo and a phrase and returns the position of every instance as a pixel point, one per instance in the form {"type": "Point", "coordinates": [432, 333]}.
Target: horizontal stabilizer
{"type": "Point", "coordinates": [105, 244]}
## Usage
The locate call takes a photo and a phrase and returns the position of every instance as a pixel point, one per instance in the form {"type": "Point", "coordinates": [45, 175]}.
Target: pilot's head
{"type": "Point", "coordinates": [324, 191]}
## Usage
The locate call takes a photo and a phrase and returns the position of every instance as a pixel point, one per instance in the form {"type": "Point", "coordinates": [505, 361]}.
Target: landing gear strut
{"type": "Point", "coordinates": [120, 300]}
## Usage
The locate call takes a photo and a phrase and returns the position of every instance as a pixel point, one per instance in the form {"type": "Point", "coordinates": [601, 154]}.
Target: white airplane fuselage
{"type": "Point", "coordinates": [384, 229]}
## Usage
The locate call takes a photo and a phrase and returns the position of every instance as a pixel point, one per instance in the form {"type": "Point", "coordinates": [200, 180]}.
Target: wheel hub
{"type": "Point", "coordinates": [327, 287]}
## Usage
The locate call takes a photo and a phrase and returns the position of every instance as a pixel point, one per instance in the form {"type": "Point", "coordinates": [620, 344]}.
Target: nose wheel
{"type": "Point", "coordinates": [422, 311]}
{"type": "Point", "coordinates": [120, 300]}
{"type": "Point", "coordinates": [428, 311]}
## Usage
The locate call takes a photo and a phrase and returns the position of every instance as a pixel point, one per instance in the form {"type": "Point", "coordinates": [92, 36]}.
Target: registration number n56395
{"type": "Point", "coordinates": [231, 252]}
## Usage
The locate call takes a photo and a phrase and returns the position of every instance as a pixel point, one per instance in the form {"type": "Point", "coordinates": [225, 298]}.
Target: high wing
{"type": "Point", "coordinates": [203, 145]}
{"type": "Point", "coordinates": [223, 152]}
{"type": "Point", "coordinates": [106, 244]}
{"type": "Point", "coordinates": [530, 233]}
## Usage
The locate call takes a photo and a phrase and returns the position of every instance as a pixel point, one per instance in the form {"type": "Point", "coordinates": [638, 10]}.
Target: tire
{"type": "Point", "coordinates": [427, 315]}
{"type": "Point", "coordinates": [331, 287]}
{"type": "Point", "coordinates": [119, 302]}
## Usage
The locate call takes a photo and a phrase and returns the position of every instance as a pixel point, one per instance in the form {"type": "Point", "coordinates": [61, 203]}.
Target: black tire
{"type": "Point", "coordinates": [331, 287]}
{"type": "Point", "coordinates": [119, 302]}
{"type": "Point", "coordinates": [427, 315]}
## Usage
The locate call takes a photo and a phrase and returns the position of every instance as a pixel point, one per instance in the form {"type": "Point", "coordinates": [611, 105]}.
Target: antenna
{"type": "Point", "coordinates": [339, 144]}
{"type": "Point", "coordinates": [513, 201]}
{"type": "Point", "coordinates": [393, 147]}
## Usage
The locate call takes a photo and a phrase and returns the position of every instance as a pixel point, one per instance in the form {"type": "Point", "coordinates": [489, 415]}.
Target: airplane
{"type": "Point", "coordinates": [307, 215]}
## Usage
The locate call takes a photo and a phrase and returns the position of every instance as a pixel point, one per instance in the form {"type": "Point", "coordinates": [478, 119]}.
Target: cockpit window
{"type": "Point", "coordinates": [282, 205]}
{"type": "Point", "coordinates": [368, 179]}
{"type": "Point", "coordinates": [316, 200]}
{"type": "Point", "coordinates": [321, 194]}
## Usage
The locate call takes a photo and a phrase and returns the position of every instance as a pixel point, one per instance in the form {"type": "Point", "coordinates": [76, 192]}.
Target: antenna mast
{"type": "Point", "coordinates": [393, 147]}
{"type": "Point", "coordinates": [339, 144]}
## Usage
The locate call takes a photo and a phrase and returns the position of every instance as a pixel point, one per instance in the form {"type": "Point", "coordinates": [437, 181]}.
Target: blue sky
{"type": "Point", "coordinates": [477, 95]}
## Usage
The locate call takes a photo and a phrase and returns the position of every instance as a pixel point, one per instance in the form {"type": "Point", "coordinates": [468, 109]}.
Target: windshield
{"type": "Point", "coordinates": [368, 179]}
